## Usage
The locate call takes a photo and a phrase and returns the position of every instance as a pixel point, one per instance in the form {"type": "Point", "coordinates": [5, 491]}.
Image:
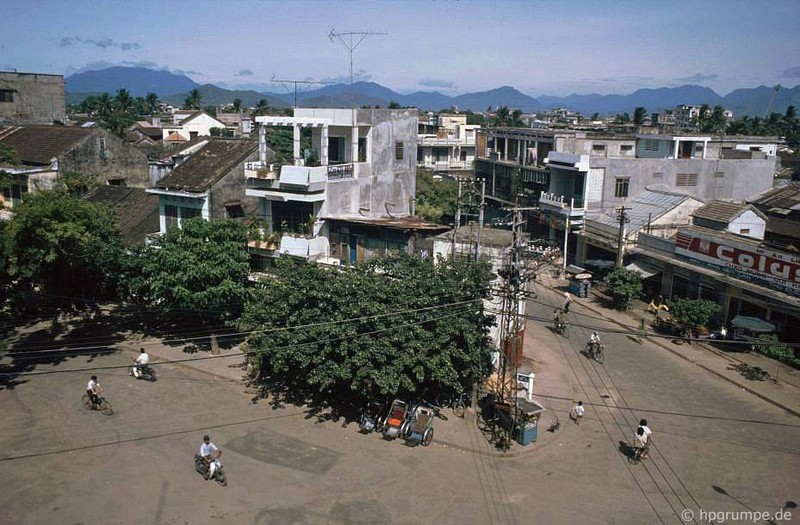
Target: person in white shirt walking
{"type": "Point", "coordinates": [576, 414]}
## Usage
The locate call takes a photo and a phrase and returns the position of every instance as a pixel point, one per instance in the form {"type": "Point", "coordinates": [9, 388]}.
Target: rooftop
{"type": "Point", "coordinates": [38, 145]}
{"type": "Point", "coordinates": [786, 197]}
{"type": "Point", "coordinates": [720, 211]}
{"type": "Point", "coordinates": [204, 168]}
{"type": "Point", "coordinates": [137, 211]}
{"type": "Point", "coordinates": [397, 223]}
{"type": "Point", "coordinates": [644, 208]}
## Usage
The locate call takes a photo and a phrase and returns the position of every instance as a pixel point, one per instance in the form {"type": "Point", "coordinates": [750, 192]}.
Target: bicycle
{"type": "Point", "coordinates": [102, 404]}
{"type": "Point", "coordinates": [596, 351]}
{"type": "Point", "coordinates": [458, 404]}
{"type": "Point", "coordinates": [561, 328]}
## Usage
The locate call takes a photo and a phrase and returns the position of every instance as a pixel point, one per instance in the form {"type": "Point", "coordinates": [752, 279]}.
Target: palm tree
{"type": "Point", "coordinates": [123, 101]}
{"type": "Point", "coordinates": [193, 99]}
{"type": "Point", "coordinates": [501, 117]}
{"type": "Point", "coordinates": [104, 105]}
{"type": "Point", "coordinates": [151, 103]}
{"type": "Point", "coordinates": [261, 107]}
{"type": "Point", "coordinates": [638, 115]}
{"type": "Point", "coordinates": [515, 119]}
{"type": "Point", "coordinates": [237, 105]}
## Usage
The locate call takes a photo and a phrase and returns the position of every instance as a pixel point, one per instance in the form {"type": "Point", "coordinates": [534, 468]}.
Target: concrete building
{"type": "Point", "coordinates": [446, 143]}
{"type": "Point", "coordinates": [32, 98]}
{"type": "Point", "coordinates": [208, 184]}
{"type": "Point", "coordinates": [781, 206]}
{"type": "Point", "coordinates": [357, 201]}
{"type": "Point", "coordinates": [43, 154]}
{"type": "Point", "coordinates": [570, 175]}
{"type": "Point", "coordinates": [722, 257]}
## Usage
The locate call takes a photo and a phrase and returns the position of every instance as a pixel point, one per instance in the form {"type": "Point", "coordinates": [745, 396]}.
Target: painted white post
{"type": "Point", "coordinates": [296, 144]}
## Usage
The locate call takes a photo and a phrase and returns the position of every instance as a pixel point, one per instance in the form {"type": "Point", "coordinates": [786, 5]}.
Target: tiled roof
{"type": "Point", "coordinates": [137, 210]}
{"type": "Point", "coordinates": [787, 197]}
{"type": "Point", "coordinates": [644, 208]}
{"type": "Point", "coordinates": [38, 145]}
{"type": "Point", "coordinates": [200, 171]}
{"type": "Point", "coordinates": [176, 137]}
{"type": "Point", "coordinates": [720, 211]}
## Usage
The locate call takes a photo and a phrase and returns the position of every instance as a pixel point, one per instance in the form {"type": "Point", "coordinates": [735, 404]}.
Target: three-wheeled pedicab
{"type": "Point", "coordinates": [419, 427]}
{"type": "Point", "coordinates": [394, 422]}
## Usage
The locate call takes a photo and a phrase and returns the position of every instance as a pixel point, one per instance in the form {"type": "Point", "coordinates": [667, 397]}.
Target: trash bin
{"type": "Point", "coordinates": [528, 413]}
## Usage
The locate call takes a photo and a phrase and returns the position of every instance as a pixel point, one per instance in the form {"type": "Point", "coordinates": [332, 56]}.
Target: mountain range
{"type": "Point", "coordinates": [172, 88]}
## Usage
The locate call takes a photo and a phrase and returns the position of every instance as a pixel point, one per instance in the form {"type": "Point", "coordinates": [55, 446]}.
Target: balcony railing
{"type": "Point", "coordinates": [568, 207]}
{"type": "Point", "coordinates": [261, 170]}
{"type": "Point", "coordinates": [451, 140]}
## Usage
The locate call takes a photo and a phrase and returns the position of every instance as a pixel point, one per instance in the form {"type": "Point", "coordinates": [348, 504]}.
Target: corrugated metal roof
{"type": "Point", "coordinates": [647, 206]}
{"type": "Point", "coordinates": [720, 211]}
{"type": "Point", "coordinates": [205, 167]}
{"type": "Point", "coordinates": [787, 197]}
{"type": "Point", "coordinates": [38, 145]}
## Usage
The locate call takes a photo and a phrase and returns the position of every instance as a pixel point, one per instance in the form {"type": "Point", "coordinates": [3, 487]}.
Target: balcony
{"type": "Point", "coordinates": [305, 248]}
{"type": "Point", "coordinates": [559, 204]}
{"type": "Point", "coordinates": [261, 170]}
{"type": "Point", "coordinates": [450, 140]}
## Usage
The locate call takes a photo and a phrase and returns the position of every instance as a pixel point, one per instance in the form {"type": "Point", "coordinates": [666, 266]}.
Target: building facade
{"type": "Point", "coordinates": [32, 98]}
{"type": "Point", "coordinates": [446, 143]}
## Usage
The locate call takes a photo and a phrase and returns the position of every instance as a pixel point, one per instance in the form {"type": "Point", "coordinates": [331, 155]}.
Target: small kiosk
{"type": "Point", "coordinates": [528, 413]}
{"type": "Point", "coordinates": [580, 281]}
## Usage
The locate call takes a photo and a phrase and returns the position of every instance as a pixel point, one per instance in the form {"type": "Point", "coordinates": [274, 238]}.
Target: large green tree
{"type": "Point", "coordinates": [193, 100]}
{"type": "Point", "coordinates": [625, 286]}
{"type": "Point", "coordinates": [203, 266]}
{"type": "Point", "coordinates": [61, 245]}
{"type": "Point", "coordinates": [401, 323]}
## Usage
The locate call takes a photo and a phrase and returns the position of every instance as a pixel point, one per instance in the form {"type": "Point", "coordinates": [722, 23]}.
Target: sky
{"type": "Point", "coordinates": [540, 47]}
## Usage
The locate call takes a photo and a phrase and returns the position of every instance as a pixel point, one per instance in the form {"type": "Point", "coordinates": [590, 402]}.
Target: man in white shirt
{"type": "Point", "coordinates": [577, 412]}
{"type": "Point", "coordinates": [93, 389]}
{"type": "Point", "coordinates": [209, 452]}
{"type": "Point", "coordinates": [141, 361]}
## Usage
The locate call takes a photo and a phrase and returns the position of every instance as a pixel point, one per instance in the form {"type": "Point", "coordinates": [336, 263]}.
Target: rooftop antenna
{"type": "Point", "coordinates": [306, 83]}
{"type": "Point", "coordinates": [350, 40]}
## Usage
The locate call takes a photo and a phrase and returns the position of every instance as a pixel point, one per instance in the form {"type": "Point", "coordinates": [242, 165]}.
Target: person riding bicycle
{"type": "Point", "coordinates": [557, 322]}
{"type": "Point", "coordinates": [209, 452]}
{"type": "Point", "coordinates": [594, 342]}
{"type": "Point", "coordinates": [140, 363]}
{"type": "Point", "coordinates": [640, 443]}
{"type": "Point", "coordinates": [647, 434]}
{"type": "Point", "coordinates": [93, 389]}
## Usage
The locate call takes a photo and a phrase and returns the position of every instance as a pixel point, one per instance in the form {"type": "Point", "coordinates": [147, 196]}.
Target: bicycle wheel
{"type": "Point", "coordinates": [444, 400]}
{"type": "Point", "coordinates": [598, 354]}
{"type": "Point", "coordinates": [459, 407]}
{"type": "Point", "coordinates": [86, 401]}
{"type": "Point", "coordinates": [565, 331]}
{"type": "Point", "coordinates": [105, 407]}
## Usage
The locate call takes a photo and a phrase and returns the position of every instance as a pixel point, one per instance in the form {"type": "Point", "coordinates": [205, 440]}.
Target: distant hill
{"type": "Point", "coordinates": [173, 88]}
{"type": "Point", "coordinates": [213, 95]}
{"type": "Point", "coordinates": [138, 80]}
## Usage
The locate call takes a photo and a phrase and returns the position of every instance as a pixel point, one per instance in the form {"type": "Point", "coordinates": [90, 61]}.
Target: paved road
{"type": "Point", "coordinates": [717, 448]}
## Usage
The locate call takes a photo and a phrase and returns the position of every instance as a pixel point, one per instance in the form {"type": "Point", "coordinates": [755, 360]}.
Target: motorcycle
{"type": "Point", "coordinates": [143, 372]}
{"type": "Point", "coordinates": [211, 470]}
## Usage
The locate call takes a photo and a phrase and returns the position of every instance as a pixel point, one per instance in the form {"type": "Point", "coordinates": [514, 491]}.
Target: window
{"type": "Point", "coordinates": [621, 186]}
{"type": "Point", "coordinates": [398, 150]}
{"type": "Point", "coordinates": [625, 148]}
{"type": "Point", "coordinates": [598, 148]}
{"type": "Point", "coordinates": [658, 175]}
{"type": "Point", "coordinates": [719, 174]}
{"type": "Point", "coordinates": [686, 179]}
{"type": "Point", "coordinates": [6, 95]}
{"type": "Point", "coordinates": [744, 231]}
{"type": "Point", "coordinates": [171, 215]}
{"type": "Point", "coordinates": [650, 145]}
{"type": "Point", "coordinates": [13, 195]}
{"type": "Point", "coordinates": [234, 211]}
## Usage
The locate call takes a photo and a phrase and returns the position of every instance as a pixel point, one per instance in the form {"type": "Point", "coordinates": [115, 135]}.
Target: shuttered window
{"type": "Point", "coordinates": [686, 179]}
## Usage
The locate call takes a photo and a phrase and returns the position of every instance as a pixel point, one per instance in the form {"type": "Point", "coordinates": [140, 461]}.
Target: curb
{"type": "Point", "coordinates": [743, 386]}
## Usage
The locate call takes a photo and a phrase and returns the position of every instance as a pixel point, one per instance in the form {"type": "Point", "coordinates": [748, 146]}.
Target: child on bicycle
{"type": "Point", "coordinates": [93, 389]}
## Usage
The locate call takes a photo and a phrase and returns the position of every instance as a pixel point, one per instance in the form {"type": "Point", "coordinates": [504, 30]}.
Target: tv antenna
{"type": "Point", "coordinates": [350, 40]}
{"type": "Point", "coordinates": [307, 83]}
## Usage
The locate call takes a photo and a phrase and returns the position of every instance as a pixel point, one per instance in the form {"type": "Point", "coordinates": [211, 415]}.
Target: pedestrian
{"type": "Point", "coordinates": [640, 442]}
{"type": "Point", "coordinates": [647, 435]}
{"type": "Point", "coordinates": [640, 335]}
{"type": "Point", "coordinates": [567, 302]}
{"type": "Point", "coordinates": [577, 412]}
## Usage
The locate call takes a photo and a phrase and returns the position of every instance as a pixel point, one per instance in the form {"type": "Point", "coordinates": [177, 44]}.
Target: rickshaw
{"type": "Point", "coordinates": [395, 420]}
{"type": "Point", "coordinates": [419, 427]}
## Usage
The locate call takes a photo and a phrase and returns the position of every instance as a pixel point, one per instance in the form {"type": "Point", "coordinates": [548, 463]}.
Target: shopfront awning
{"type": "Point", "coordinates": [754, 324]}
{"type": "Point", "coordinates": [643, 269]}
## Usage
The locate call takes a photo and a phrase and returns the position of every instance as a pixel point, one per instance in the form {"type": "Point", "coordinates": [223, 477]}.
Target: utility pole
{"type": "Point", "coordinates": [457, 222]}
{"type": "Point", "coordinates": [623, 219]}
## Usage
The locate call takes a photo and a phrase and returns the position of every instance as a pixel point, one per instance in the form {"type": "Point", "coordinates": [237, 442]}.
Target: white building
{"type": "Point", "coordinates": [446, 142]}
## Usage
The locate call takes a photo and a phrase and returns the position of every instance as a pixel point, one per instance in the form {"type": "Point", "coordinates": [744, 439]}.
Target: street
{"type": "Point", "coordinates": [717, 448]}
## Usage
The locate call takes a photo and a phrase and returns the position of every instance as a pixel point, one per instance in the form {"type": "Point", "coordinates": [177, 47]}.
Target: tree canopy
{"type": "Point", "coordinates": [625, 285]}
{"type": "Point", "coordinates": [401, 323]}
{"type": "Point", "coordinates": [61, 245]}
{"type": "Point", "coordinates": [436, 199]}
{"type": "Point", "coordinates": [202, 266]}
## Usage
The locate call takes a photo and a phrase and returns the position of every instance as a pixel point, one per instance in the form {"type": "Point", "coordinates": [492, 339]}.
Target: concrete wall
{"type": "Point", "coordinates": [740, 179]}
{"type": "Point", "coordinates": [106, 156]}
{"type": "Point", "coordinates": [37, 99]}
{"type": "Point", "coordinates": [230, 188]}
{"type": "Point", "coordinates": [749, 221]}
